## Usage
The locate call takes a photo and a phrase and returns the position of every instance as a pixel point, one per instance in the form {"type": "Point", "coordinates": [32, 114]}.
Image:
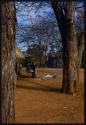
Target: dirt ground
{"type": "Point", "coordinates": [40, 100]}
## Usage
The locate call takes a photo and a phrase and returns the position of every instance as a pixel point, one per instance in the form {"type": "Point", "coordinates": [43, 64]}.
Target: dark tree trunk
{"type": "Point", "coordinates": [62, 28]}
{"type": "Point", "coordinates": [72, 48]}
{"type": "Point", "coordinates": [8, 62]}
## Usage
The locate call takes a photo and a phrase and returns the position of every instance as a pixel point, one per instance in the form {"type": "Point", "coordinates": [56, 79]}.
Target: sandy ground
{"type": "Point", "coordinates": [40, 100]}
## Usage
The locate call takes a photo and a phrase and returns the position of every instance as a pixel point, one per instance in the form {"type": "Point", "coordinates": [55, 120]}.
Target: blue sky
{"type": "Point", "coordinates": [24, 17]}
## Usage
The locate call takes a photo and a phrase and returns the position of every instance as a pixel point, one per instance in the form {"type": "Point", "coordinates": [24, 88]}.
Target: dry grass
{"type": "Point", "coordinates": [40, 101]}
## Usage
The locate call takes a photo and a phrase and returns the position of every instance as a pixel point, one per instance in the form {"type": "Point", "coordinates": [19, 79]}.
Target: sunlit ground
{"type": "Point", "coordinates": [39, 100]}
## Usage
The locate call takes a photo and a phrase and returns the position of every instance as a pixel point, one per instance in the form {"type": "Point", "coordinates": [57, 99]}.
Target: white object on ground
{"type": "Point", "coordinates": [48, 76]}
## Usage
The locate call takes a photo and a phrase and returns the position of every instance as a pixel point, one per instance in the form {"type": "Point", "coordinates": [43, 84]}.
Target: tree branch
{"type": "Point", "coordinates": [60, 17]}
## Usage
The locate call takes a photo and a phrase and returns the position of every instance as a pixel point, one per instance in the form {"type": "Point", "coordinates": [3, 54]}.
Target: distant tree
{"type": "Point", "coordinates": [41, 32]}
{"type": "Point", "coordinates": [36, 52]}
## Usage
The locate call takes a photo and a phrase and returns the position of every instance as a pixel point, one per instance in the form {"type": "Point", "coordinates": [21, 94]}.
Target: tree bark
{"type": "Point", "coordinates": [72, 48]}
{"type": "Point", "coordinates": [8, 62]}
{"type": "Point", "coordinates": [62, 28]}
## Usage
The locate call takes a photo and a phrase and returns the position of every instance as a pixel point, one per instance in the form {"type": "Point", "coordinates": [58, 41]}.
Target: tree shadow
{"type": "Point", "coordinates": [38, 86]}
{"type": "Point", "coordinates": [46, 89]}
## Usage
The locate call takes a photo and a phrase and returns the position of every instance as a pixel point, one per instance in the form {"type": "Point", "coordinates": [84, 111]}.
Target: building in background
{"type": "Point", "coordinates": [20, 56]}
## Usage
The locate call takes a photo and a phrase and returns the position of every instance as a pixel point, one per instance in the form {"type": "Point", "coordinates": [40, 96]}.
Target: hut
{"type": "Point", "coordinates": [19, 54]}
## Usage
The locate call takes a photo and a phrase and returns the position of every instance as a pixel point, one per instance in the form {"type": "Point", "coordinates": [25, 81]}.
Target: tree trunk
{"type": "Point", "coordinates": [72, 48]}
{"type": "Point", "coordinates": [8, 62]}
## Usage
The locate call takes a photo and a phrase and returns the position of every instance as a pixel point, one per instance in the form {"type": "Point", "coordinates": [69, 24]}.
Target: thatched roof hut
{"type": "Point", "coordinates": [19, 54]}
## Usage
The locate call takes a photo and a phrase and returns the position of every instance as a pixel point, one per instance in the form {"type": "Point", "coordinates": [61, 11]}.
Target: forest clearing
{"type": "Point", "coordinates": [40, 100]}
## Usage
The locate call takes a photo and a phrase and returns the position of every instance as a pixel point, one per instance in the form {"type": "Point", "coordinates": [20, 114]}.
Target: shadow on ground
{"type": "Point", "coordinates": [47, 89]}
{"type": "Point", "coordinates": [38, 87]}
